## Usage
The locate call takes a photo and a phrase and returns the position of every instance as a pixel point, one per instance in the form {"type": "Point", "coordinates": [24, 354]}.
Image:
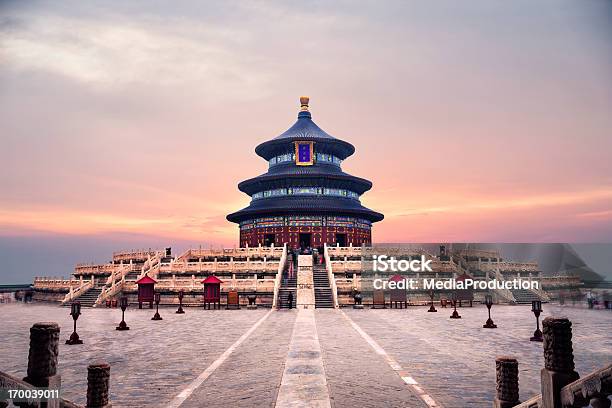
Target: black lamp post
{"type": "Point", "coordinates": [432, 308]}
{"type": "Point", "coordinates": [455, 314]}
{"type": "Point", "coordinates": [156, 316]}
{"type": "Point", "coordinates": [536, 308]}
{"type": "Point", "coordinates": [180, 296]}
{"type": "Point", "coordinates": [489, 324]}
{"type": "Point", "coordinates": [75, 312]}
{"type": "Point", "coordinates": [123, 303]}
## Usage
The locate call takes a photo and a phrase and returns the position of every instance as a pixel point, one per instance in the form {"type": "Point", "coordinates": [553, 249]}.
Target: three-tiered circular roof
{"type": "Point", "coordinates": [320, 174]}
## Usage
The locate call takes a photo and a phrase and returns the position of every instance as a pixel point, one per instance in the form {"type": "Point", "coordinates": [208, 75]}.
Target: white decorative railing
{"type": "Point", "coordinates": [330, 275]}
{"type": "Point", "coordinates": [75, 293]}
{"type": "Point", "coordinates": [504, 293]}
{"type": "Point", "coordinates": [367, 252]}
{"type": "Point", "coordinates": [345, 266]}
{"type": "Point", "coordinates": [183, 267]}
{"type": "Point", "coordinates": [116, 281]}
{"type": "Point", "coordinates": [508, 266]}
{"type": "Point", "coordinates": [151, 267]}
{"type": "Point", "coordinates": [259, 251]}
{"type": "Point", "coordinates": [279, 275]}
{"type": "Point", "coordinates": [92, 269]}
{"type": "Point", "coordinates": [135, 254]}
{"type": "Point", "coordinates": [56, 283]}
{"type": "Point", "coordinates": [480, 253]}
{"type": "Point", "coordinates": [241, 284]}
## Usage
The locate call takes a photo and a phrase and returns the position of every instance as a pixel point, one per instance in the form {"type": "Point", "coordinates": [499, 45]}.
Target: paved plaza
{"type": "Point", "coordinates": [336, 358]}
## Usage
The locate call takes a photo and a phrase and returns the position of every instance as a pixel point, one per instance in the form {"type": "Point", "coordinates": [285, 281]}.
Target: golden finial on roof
{"type": "Point", "coordinates": [304, 103]}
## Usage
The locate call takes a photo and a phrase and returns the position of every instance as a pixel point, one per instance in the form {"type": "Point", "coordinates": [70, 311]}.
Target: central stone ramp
{"type": "Point", "coordinates": [305, 283]}
{"type": "Point", "coordinates": [251, 375]}
{"type": "Point", "coordinates": [304, 383]}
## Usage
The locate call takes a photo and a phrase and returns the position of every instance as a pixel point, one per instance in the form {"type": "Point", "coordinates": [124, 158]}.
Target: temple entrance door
{"type": "Point", "coordinates": [305, 240]}
{"type": "Point", "coordinates": [341, 240]}
{"type": "Point", "coordinates": [269, 239]}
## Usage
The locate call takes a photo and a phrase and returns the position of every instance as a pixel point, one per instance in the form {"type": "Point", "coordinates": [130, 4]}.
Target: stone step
{"type": "Point", "coordinates": [524, 296]}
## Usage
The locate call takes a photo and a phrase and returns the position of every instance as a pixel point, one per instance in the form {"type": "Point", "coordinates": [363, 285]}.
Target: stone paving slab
{"type": "Point", "coordinates": [251, 376]}
{"type": "Point", "coordinates": [454, 360]}
{"type": "Point", "coordinates": [356, 374]}
{"type": "Point", "coordinates": [149, 363]}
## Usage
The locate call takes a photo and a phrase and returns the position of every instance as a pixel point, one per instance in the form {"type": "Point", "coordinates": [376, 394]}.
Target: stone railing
{"type": "Point", "coordinates": [194, 284]}
{"type": "Point", "coordinates": [279, 275]}
{"type": "Point", "coordinates": [183, 267]}
{"type": "Point", "coordinates": [75, 293]}
{"type": "Point", "coordinates": [138, 254]}
{"type": "Point", "coordinates": [503, 293]}
{"type": "Point", "coordinates": [42, 372]}
{"type": "Point", "coordinates": [257, 285]}
{"type": "Point", "coordinates": [56, 283]}
{"type": "Point", "coordinates": [541, 294]}
{"type": "Point", "coordinates": [367, 252]}
{"type": "Point", "coordinates": [151, 266]}
{"type": "Point", "coordinates": [558, 282]}
{"type": "Point", "coordinates": [115, 282]}
{"type": "Point", "coordinates": [260, 251]}
{"type": "Point", "coordinates": [508, 266]}
{"type": "Point", "coordinates": [478, 253]}
{"type": "Point", "coordinates": [339, 266]}
{"type": "Point", "coordinates": [330, 275]}
{"type": "Point", "coordinates": [592, 389]}
{"type": "Point", "coordinates": [93, 269]}
{"type": "Point", "coordinates": [110, 291]}
{"type": "Point", "coordinates": [346, 251]}
{"type": "Point", "coordinates": [443, 267]}
{"type": "Point", "coordinates": [345, 266]}
{"type": "Point", "coordinates": [560, 384]}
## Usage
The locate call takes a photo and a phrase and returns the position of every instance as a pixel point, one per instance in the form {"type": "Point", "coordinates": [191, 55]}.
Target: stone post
{"type": "Point", "coordinates": [558, 368]}
{"type": "Point", "coordinates": [98, 378]}
{"type": "Point", "coordinates": [42, 359]}
{"type": "Point", "coordinates": [506, 369]}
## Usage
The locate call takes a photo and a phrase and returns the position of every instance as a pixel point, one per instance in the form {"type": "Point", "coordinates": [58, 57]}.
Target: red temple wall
{"type": "Point", "coordinates": [291, 235]}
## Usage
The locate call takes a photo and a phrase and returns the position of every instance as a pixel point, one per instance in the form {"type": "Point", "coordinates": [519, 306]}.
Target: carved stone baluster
{"type": "Point", "coordinates": [42, 359]}
{"type": "Point", "coordinates": [558, 368]}
{"type": "Point", "coordinates": [98, 379]}
{"type": "Point", "coordinates": [601, 401]}
{"type": "Point", "coordinates": [507, 387]}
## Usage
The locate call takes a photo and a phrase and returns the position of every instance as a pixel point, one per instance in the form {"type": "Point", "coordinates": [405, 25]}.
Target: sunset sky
{"type": "Point", "coordinates": [130, 125]}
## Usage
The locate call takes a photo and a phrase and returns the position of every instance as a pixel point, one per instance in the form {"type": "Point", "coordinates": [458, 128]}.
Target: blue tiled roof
{"type": "Point", "coordinates": [321, 174]}
{"type": "Point", "coordinates": [305, 205]}
{"type": "Point", "coordinates": [304, 129]}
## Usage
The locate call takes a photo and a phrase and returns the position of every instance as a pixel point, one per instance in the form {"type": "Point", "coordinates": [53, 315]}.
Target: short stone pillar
{"type": "Point", "coordinates": [558, 368]}
{"type": "Point", "coordinates": [42, 359]}
{"type": "Point", "coordinates": [98, 378]}
{"type": "Point", "coordinates": [506, 369]}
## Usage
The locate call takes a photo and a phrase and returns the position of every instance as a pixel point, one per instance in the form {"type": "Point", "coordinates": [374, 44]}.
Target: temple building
{"type": "Point", "coordinates": [305, 199]}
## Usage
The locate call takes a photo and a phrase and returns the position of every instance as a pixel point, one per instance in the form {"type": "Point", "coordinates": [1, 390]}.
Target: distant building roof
{"type": "Point", "coordinates": [212, 279]}
{"type": "Point", "coordinates": [145, 279]}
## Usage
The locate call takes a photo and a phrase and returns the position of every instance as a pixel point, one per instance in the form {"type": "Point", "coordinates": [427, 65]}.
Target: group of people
{"type": "Point", "coordinates": [317, 258]}
{"type": "Point", "coordinates": [603, 301]}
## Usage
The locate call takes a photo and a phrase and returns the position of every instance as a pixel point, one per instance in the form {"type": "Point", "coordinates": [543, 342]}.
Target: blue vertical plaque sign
{"type": "Point", "coordinates": [304, 153]}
